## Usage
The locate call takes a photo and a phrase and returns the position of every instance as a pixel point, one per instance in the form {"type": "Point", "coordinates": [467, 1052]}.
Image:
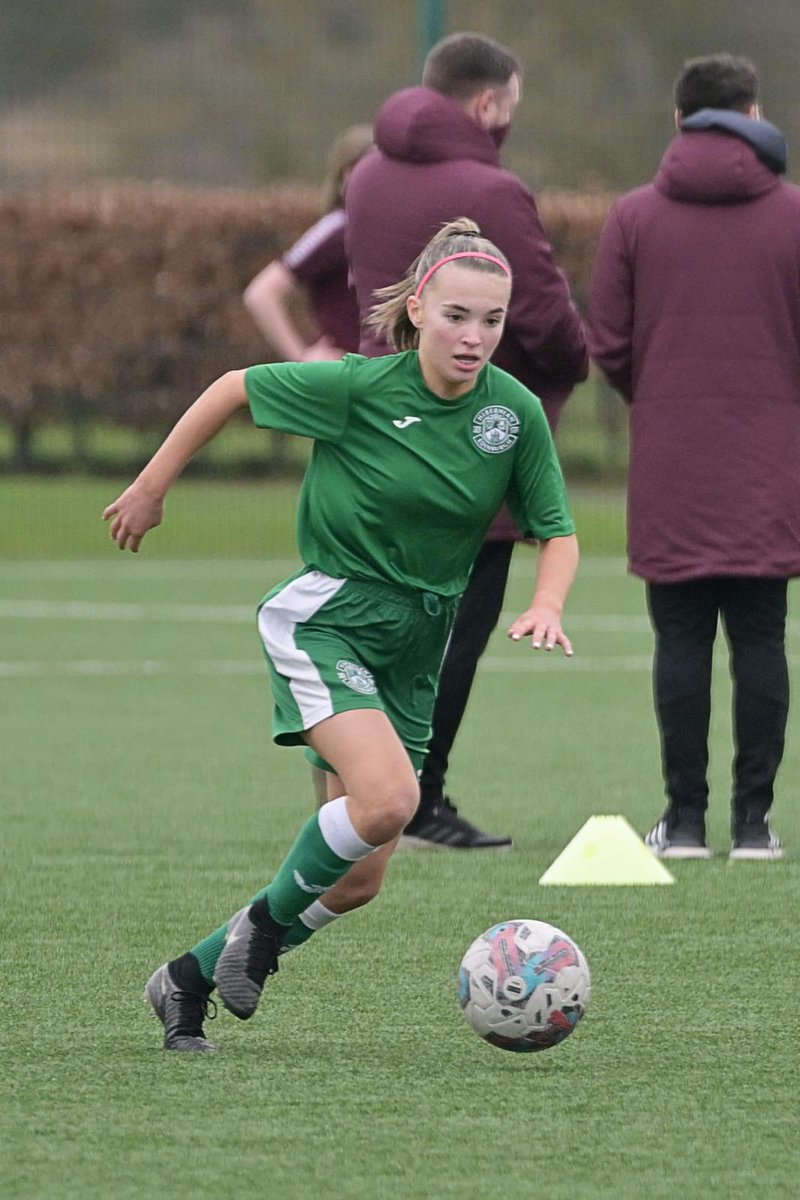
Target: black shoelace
{"type": "Point", "coordinates": [195, 1006]}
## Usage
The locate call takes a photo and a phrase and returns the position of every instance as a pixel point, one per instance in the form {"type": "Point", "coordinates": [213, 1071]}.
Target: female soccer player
{"type": "Point", "coordinates": [413, 455]}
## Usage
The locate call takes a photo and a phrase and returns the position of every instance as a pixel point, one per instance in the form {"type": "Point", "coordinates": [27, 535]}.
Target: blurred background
{"type": "Point", "coordinates": [154, 156]}
{"type": "Point", "coordinates": [245, 92]}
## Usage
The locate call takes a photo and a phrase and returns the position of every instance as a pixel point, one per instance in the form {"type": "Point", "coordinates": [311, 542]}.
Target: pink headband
{"type": "Point", "coordinates": [451, 258]}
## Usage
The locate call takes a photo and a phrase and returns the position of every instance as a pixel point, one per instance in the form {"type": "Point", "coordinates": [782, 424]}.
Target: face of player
{"type": "Point", "coordinates": [460, 317]}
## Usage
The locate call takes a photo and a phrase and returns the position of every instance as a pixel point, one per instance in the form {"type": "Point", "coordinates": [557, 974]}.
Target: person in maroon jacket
{"type": "Point", "coordinates": [438, 156]}
{"type": "Point", "coordinates": [695, 318]}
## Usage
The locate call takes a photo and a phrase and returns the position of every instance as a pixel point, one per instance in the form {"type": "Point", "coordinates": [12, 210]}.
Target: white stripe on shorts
{"type": "Point", "coordinates": [277, 621]}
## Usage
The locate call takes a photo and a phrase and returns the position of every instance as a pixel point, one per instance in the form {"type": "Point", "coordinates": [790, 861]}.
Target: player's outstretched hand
{"type": "Point", "coordinates": [134, 512]}
{"type": "Point", "coordinates": [544, 627]}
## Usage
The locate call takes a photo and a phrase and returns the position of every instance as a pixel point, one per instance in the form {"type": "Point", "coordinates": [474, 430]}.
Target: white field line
{"type": "Point", "coordinates": [109, 667]}
{"type": "Point", "coordinates": [88, 610]}
{"type": "Point", "coordinates": [242, 668]}
{"type": "Point", "coordinates": [239, 614]}
{"type": "Point", "coordinates": [245, 668]}
{"type": "Point", "coordinates": [234, 614]}
{"type": "Point", "coordinates": [143, 571]}
{"type": "Point", "coordinates": [135, 568]}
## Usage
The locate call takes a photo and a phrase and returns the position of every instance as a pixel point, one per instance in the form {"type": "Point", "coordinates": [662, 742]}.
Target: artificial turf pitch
{"type": "Point", "coordinates": [143, 801]}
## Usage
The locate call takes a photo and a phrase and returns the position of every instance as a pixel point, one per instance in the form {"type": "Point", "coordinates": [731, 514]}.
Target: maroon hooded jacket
{"type": "Point", "coordinates": [695, 318]}
{"type": "Point", "coordinates": [433, 163]}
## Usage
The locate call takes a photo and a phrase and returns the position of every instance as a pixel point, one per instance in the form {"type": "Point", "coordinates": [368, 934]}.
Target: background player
{"type": "Point", "coordinates": [317, 262]}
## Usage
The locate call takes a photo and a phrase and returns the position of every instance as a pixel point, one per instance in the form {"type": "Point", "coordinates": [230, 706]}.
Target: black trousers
{"type": "Point", "coordinates": [478, 614]}
{"type": "Point", "coordinates": [684, 618]}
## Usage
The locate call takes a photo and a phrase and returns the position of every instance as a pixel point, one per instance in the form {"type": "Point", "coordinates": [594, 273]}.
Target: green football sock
{"type": "Point", "coordinates": [297, 935]}
{"type": "Point", "coordinates": [315, 917]}
{"type": "Point", "coordinates": [208, 951]}
{"type": "Point", "coordinates": [311, 867]}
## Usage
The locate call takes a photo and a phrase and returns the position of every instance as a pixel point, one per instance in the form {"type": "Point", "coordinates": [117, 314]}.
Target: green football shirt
{"type": "Point", "coordinates": [402, 485]}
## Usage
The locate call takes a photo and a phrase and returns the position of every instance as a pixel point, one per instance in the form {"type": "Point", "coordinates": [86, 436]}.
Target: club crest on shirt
{"type": "Point", "coordinates": [356, 677]}
{"type": "Point", "coordinates": [495, 429]}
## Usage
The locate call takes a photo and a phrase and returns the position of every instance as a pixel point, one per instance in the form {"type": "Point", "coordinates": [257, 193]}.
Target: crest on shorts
{"type": "Point", "coordinates": [356, 677]}
{"type": "Point", "coordinates": [495, 429]}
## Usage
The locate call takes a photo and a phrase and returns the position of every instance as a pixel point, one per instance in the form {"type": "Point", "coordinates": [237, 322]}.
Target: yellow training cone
{"type": "Point", "coordinates": [606, 850]}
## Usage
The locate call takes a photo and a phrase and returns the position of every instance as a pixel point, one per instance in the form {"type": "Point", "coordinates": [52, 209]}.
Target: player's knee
{"type": "Point", "coordinates": [401, 804]}
{"type": "Point", "coordinates": [392, 807]}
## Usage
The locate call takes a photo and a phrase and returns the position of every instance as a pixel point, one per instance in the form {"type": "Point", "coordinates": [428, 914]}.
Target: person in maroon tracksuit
{"type": "Point", "coordinates": [317, 263]}
{"type": "Point", "coordinates": [695, 318]}
{"type": "Point", "coordinates": [437, 158]}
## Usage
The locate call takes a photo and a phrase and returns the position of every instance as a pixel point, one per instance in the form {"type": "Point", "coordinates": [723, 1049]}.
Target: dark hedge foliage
{"type": "Point", "coordinates": [121, 303]}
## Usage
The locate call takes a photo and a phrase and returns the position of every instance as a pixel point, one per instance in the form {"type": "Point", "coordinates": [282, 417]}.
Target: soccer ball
{"type": "Point", "coordinates": [523, 985]}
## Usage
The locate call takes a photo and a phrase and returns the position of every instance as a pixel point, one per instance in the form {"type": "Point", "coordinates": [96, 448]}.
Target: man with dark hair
{"type": "Point", "coordinates": [721, 81]}
{"type": "Point", "coordinates": [438, 158]}
{"type": "Point", "coordinates": [695, 318]}
{"type": "Point", "coordinates": [464, 64]}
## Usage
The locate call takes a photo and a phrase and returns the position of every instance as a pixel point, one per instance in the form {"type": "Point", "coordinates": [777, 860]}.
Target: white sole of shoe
{"type": "Point", "coordinates": [741, 854]}
{"type": "Point", "coordinates": [697, 852]}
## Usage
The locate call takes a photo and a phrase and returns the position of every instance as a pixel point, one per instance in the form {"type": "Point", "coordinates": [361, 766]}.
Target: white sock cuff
{"type": "Point", "coordinates": [338, 831]}
{"type": "Point", "coordinates": [316, 916]}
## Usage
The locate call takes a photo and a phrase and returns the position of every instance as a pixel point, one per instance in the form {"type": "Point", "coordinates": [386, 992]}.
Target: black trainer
{"type": "Point", "coordinates": [756, 841]}
{"type": "Point", "coordinates": [180, 1012]}
{"type": "Point", "coordinates": [677, 839]}
{"type": "Point", "coordinates": [249, 956]}
{"type": "Point", "coordinates": [441, 828]}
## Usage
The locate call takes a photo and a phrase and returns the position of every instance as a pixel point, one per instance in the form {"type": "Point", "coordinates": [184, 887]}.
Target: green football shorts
{"type": "Point", "coordinates": [333, 645]}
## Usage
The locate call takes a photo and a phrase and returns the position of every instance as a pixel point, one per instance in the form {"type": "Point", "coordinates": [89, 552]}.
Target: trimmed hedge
{"type": "Point", "coordinates": [121, 303]}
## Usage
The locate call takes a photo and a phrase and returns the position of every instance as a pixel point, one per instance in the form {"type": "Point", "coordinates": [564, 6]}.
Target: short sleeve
{"type": "Point", "coordinates": [308, 399]}
{"type": "Point", "coordinates": [320, 251]}
{"type": "Point", "coordinates": [537, 497]}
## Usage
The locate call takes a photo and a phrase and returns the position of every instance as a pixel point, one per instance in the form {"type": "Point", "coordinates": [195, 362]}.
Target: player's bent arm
{"type": "Point", "coordinates": [555, 571]}
{"type": "Point", "coordinates": [140, 507]}
{"type": "Point", "coordinates": [265, 298]}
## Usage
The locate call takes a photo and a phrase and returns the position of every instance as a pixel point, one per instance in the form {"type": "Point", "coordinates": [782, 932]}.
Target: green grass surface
{"type": "Point", "coordinates": [60, 517]}
{"type": "Point", "coordinates": [143, 802]}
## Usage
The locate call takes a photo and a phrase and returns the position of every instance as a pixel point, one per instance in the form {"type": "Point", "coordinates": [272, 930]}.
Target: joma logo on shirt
{"type": "Point", "coordinates": [495, 429]}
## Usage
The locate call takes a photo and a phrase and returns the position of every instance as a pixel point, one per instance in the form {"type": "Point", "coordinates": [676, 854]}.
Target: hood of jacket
{"type": "Point", "coordinates": [765, 138]}
{"type": "Point", "coordinates": [722, 157]}
{"type": "Point", "coordinates": [423, 126]}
